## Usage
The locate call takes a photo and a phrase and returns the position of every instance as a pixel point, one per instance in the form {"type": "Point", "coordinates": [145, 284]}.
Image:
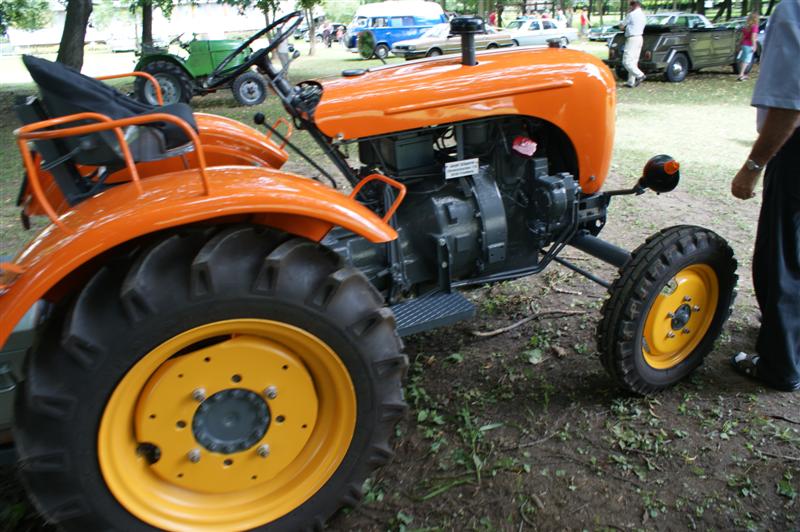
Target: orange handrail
{"type": "Point", "coordinates": [149, 77]}
{"type": "Point", "coordinates": [389, 181]}
{"type": "Point", "coordinates": [32, 132]}
{"type": "Point", "coordinates": [289, 130]}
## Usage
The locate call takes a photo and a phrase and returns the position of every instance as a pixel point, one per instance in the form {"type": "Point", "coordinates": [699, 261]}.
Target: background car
{"type": "Point", "coordinates": [530, 31]}
{"type": "Point", "coordinates": [438, 41]}
{"type": "Point", "coordinates": [686, 20]}
{"type": "Point", "coordinates": [604, 32]}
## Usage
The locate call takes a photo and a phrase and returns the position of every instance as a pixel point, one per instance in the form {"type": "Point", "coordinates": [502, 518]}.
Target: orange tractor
{"type": "Point", "coordinates": [202, 341]}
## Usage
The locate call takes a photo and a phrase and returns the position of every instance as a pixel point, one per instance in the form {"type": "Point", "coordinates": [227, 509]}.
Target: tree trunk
{"type": "Point", "coordinates": [70, 51]}
{"type": "Point", "coordinates": [756, 7]}
{"type": "Point", "coordinates": [769, 7]}
{"type": "Point", "coordinates": [744, 8]}
{"type": "Point", "coordinates": [500, 8]}
{"type": "Point", "coordinates": [700, 7]}
{"type": "Point", "coordinates": [481, 10]}
{"type": "Point", "coordinates": [147, 23]}
{"type": "Point", "coordinates": [721, 10]}
{"type": "Point", "coordinates": [312, 31]}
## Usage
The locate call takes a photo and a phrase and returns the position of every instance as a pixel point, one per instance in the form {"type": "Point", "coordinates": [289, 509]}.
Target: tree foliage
{"type": "Point", "coordinates": [23, 14]}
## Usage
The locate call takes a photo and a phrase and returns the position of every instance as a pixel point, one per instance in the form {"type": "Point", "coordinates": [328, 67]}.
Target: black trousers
{"type": "Point", "coordinates": [776, 269]}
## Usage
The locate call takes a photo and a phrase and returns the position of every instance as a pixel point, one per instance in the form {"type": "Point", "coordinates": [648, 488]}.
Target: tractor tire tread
{"type": "Point", "coordinates": [188, 267]}
{"type": "Point", "coordinates": [620, 312]}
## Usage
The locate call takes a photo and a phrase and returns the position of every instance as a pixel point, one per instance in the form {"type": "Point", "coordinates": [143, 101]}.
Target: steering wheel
{"type": "Point", "coordinates": [256, 57]}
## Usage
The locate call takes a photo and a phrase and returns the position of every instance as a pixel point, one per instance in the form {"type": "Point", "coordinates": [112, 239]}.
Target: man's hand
{"type": "Point", "coordinates": [744, 183]}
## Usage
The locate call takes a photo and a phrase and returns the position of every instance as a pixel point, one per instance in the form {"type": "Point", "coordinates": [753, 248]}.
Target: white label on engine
{"type": "Point", "coordinates": [460, 168]}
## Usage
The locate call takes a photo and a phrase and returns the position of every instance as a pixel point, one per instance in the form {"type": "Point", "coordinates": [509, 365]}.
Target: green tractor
{"type": "Point", "coordinates": [210, 65]}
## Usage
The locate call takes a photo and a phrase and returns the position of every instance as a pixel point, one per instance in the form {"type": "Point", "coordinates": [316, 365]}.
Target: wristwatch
{"type": "Point", "coordinates": [752, 165]}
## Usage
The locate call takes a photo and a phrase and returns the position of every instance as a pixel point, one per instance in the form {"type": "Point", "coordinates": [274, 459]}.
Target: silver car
{"type": "Point", "coordinates": [438, 41]}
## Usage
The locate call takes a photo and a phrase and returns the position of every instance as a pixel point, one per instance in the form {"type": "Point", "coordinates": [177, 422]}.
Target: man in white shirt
{"type": "Point", "coordinates": [634, 28]}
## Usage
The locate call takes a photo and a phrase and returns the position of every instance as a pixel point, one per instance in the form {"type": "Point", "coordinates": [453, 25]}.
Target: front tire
{"type": "Point", "coordinates": [433, 52]}
{"type": "Point", "coordinates": [176, 85]}
{"type": "Point", "coordinates": [381, 51]}
{"type": "Point", "coordinates": [667, 308]}
{"type": "Point", "coordinates": [116, 426]}
{"type": "Point", "coordinates": [249, 89]}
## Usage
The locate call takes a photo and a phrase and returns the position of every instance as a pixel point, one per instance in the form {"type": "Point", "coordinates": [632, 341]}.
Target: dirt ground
{"type": "Point", "coordinates": [524, 430]}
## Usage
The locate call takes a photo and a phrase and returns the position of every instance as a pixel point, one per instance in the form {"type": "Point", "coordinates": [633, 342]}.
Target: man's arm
{"type": "Point", "coordinates": [778, 126]}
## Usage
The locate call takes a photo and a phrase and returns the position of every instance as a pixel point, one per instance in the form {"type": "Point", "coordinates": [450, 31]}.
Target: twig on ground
{"type": "Point", "coordinates": [525, 517]}
{"type": "Point", "coordinates": [557, 289]}
{"type": "Point", "coordinates": [523, 321]}
{"type": "Point", "coordinates": [786, 419]}
{"type": "Point", "coordinates": [781, 456]}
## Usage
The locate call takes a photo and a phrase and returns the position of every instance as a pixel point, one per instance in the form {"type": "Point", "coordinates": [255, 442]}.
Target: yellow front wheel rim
{"type": "Point", "coordinates": [680, 316]}
{"type": "Point", "coordinates": [202, 483]}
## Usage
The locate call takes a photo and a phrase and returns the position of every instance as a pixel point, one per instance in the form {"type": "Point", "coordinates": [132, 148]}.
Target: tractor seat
{"type": "Point", "coordinates": [65, 91]}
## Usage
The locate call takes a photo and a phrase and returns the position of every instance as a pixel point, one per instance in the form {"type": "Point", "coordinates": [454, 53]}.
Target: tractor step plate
{"type": "Point", "coordinates": [431, 311]}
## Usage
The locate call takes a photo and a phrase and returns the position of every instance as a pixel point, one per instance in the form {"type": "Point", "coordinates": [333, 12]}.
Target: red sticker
{"type": "Point", "coordinates": [524, 146]}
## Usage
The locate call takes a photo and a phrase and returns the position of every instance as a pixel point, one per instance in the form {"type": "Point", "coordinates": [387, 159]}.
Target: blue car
{"type": "Point", "coordinates": [393, 21]}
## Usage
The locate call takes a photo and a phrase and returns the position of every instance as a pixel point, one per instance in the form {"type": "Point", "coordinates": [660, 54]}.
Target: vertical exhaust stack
{"type": "Point", "coordinates": [467, 27]}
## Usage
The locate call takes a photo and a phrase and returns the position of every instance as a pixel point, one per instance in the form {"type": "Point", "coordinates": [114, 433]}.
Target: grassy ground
{"type": "Point", "coordinates": [525, 430]}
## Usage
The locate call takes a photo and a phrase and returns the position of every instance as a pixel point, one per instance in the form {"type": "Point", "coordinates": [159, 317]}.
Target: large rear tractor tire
{"type": "Point", "coordinates": [214, 379]}
{"type": "Point", "coordinates": [667, 308]}
{"type": "Point", "coordinates": [176, 85]}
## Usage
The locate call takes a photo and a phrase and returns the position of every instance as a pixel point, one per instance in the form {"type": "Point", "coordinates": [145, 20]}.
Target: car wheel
{"type": "Point", "coordinates": [433, 52]}
{"type": "Point", "coordinates": [491, 46]}
{"type": "Point", "coordinates": [563, 42]}
{"type": "Point", "coordinates": [677, 68]}
{"type": "Point", "coordinates": [515, 42]}
{"type": "Point", "coordinates": [381, 51]}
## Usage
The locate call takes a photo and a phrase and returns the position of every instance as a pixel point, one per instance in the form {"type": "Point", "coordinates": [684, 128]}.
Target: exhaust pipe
{"type": "Point", "coordinates": [467, 27]}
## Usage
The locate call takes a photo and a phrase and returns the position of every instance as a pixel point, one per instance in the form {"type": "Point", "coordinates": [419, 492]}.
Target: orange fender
{"type": "Point", "coordinates": [267, 196]}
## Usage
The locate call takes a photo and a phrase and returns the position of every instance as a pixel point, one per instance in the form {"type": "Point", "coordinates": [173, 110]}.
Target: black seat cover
{"type": "Point", "coordinates": [66, 91]}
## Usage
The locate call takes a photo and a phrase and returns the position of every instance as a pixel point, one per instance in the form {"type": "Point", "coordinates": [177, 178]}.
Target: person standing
{"type": "Point", "coordinates": [776, 256]}
{"type": "Point", "coordinates": [634, 29]}
{"type": "Point", "coordinates": [584, 22]}
{"type": "Point", "coordinates": [747, 45]}
{"type": "Point", "coordinates": [493, 18]}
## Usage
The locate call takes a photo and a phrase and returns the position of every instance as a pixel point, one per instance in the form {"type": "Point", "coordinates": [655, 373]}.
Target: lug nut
{"type": "Point", "coordinates": [670, 314]}
{"type": "Point", "coordinates": [199, 395]}
{"type": "Point", "coordinates": [670, 334]}
{"type": "Point", "coordinates": [687, 298]}
{"type": "Point", "coordinates": [696, 308]}
{"type": "Point", "coordinates": [263, 450]}
{"type": "Point", "coordinates": [686, 331]}
{"type": "Point", "coordinates": [194, 456]}
{"type": "Point", "coordinates": [271, 392]}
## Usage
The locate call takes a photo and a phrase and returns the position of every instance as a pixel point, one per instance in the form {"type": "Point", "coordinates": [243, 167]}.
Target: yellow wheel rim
{"type": "Point", "coordinates": [680, 316]}
{"type": "Point", "coordinates": [199, 482]}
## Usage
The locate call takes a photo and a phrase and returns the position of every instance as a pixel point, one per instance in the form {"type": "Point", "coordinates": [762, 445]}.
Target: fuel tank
{"type": "Point", "coordinates": [573, 90]}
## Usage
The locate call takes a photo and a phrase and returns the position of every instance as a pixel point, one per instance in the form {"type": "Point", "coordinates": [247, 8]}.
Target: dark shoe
{"type": "Point", "coordinates": [747, 366]}
{"type": "Point", "coordinates": [638, 81]}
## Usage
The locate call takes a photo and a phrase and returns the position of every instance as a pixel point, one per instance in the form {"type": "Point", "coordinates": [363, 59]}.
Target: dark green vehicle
{"type": "Point", "coordinates": [676, 44]}
{"type": "Point", "coordinates": [209, 66]}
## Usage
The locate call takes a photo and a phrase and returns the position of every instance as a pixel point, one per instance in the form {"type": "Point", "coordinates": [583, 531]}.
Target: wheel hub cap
{"type": "Point", "coordinates": [231, 421]}
{"type": "Point", "coordinates": [219, 453]}
{"type": "Point", "coordinates": [680, 316]}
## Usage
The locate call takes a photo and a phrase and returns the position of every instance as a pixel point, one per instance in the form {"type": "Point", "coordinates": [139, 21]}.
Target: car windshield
{"type": "Point", "coordinates": [436, 32]}
{"type": "Point", "coordinates": [515, 25]}
{"type": "Point", "coordinates": [360, 22]}
{"type": "Point", "coordinates": [658, 20]}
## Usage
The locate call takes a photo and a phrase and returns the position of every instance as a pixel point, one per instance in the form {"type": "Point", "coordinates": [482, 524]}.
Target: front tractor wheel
{"type": "Point", "coordinates": [226, 379]}
{"type": "Point", "coordinates": [249, 89]}
{"type": "Point", "coordinates": [667, 308]}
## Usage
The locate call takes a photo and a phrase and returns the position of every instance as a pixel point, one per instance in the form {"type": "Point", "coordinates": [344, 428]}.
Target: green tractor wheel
{"type": "Point", "coordinates": [250, 88]}
{"type": "Point", "coordinates": [176, 85]}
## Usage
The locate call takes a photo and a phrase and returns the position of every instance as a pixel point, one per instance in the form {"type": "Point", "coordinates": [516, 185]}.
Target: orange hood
{"type": "Point", "coordinates": [571, 89]}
